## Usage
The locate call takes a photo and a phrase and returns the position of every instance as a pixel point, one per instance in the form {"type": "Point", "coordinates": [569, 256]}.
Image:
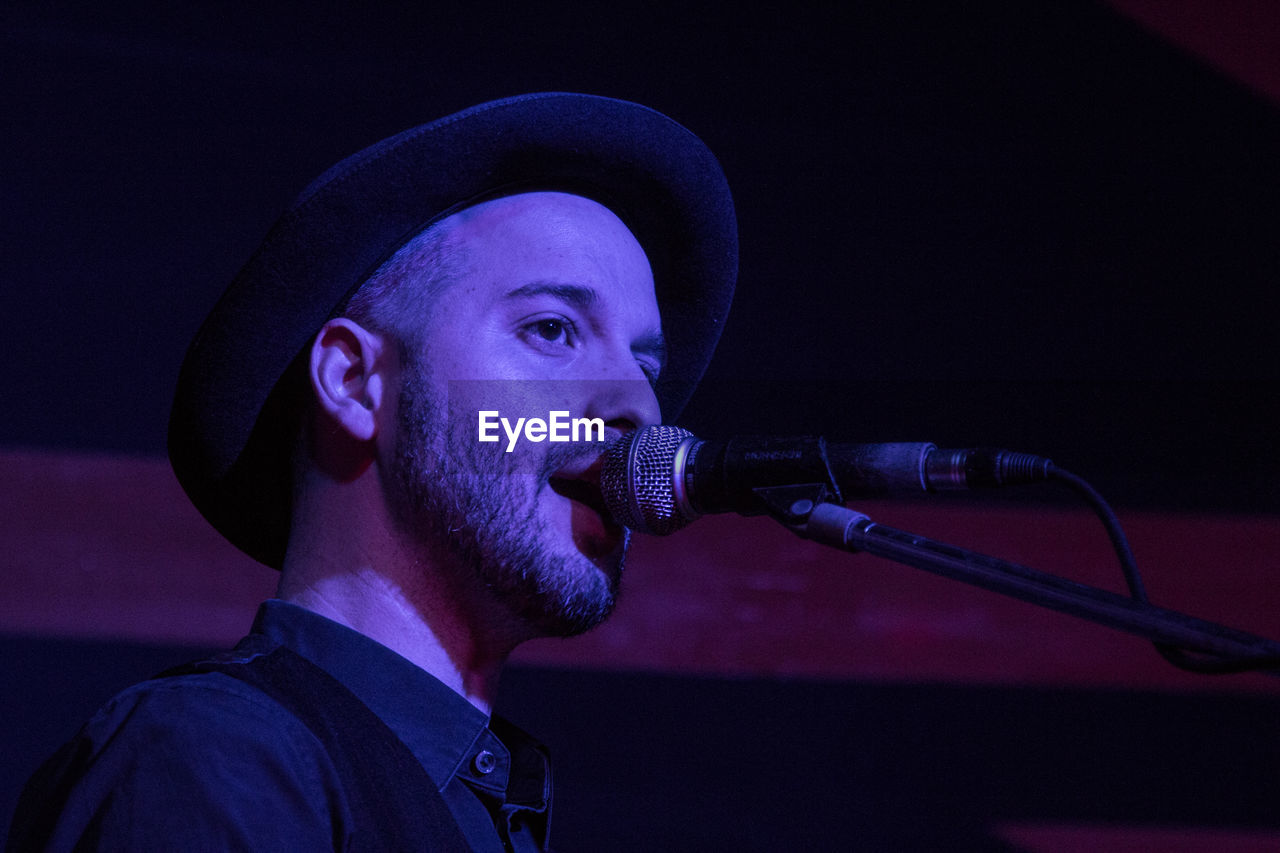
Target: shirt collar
{"type": "Point", "coordinates": [447, 734]}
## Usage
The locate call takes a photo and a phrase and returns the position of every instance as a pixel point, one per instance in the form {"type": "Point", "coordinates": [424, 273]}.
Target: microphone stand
{"type": "Point", "coordinates": [807, 510]}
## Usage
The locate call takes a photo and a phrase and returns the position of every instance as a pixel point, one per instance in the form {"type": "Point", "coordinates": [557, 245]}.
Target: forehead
{"type": "Point", "coordinates": [511, 255]}
{"type": "Point", "coordinates": [539, 226]}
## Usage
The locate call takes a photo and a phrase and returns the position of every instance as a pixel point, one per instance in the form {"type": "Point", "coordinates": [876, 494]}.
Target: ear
{"type": "Point", "coordinates": [348, 372]}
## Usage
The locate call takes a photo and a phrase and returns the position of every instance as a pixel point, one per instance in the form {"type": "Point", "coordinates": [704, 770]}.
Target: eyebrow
{"type": "Point", "coordinates": [652, 344]}
{"type": "Point", "coordinates": [578, 295]}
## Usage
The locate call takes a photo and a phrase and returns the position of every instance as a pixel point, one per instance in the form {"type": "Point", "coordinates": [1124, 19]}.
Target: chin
{"type": "Point", "coordinates": [581, 575]}
{"type": "Point", "coordinates": [579, 598]}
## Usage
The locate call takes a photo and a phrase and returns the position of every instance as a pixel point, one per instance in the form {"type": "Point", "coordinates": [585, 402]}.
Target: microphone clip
{"type": "Point", "coordinates": [791, 505]}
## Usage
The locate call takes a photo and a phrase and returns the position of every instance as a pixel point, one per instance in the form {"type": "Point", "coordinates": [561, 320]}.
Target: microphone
{"type": "Point", "coordinates": [660, 478]}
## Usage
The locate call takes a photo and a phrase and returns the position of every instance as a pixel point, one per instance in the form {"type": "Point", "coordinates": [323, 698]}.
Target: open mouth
{"type": "Point", "coordinates": [582, 491]}
{"type": "Point", "coordinates": [594, 531]}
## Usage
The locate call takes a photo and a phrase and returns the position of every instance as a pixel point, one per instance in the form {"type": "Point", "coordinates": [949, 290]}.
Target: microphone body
{"type": "Point", "coordinates": [722, 476]}
{"type": "Point", "coordinates": [662, 477]}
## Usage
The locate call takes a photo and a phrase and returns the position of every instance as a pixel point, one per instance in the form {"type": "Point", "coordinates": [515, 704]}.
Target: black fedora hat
{"type": "Point", "coordinates": [230, 430]}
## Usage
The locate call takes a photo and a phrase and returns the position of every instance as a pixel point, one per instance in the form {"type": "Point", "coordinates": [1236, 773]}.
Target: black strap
{"type": "Point", "coordinates": [393, 802]}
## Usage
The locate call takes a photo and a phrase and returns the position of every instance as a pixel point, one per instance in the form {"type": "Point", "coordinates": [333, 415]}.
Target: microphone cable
{"type": "Point", "coordinates": [1204, 664]}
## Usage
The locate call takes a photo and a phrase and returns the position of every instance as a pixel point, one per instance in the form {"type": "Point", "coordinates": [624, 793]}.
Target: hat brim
{"type": "Point", "coordinates": [227, 441]}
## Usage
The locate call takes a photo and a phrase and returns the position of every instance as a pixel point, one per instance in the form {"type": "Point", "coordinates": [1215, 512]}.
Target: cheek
{"type": "Point", "coordinates": [471, 349]}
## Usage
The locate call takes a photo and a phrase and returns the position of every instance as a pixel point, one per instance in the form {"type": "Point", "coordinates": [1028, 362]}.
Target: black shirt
{"type": "Point", "coordinates": [207, 762]}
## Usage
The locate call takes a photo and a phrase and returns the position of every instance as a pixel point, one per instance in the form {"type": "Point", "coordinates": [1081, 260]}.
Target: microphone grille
{"type": "Point", "coordinates": [637, 480]}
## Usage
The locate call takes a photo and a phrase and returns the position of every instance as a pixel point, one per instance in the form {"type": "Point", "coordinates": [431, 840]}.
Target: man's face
{"type": "Point", "coordinates": [552, 309]}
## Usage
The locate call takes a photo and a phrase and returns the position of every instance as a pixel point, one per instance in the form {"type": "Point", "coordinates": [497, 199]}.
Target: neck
{"type": "Point", "coordinates": [358, 572]}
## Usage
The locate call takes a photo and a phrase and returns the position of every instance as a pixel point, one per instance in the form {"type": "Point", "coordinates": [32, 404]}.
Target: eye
{"type": "Point", "coordinates": [651, 372]}
{"type": "Point", "coordinates": [550, 331]}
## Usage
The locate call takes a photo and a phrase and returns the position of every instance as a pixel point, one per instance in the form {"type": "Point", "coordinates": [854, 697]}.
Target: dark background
{"type": "Point", "coordinates": [1033, 225]}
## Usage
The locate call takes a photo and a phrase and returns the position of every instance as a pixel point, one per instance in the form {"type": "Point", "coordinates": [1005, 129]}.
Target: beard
{"type": "Point", "coordinates": [477, 507]}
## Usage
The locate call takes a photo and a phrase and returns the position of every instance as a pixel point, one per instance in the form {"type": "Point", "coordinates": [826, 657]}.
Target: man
{"type": "Point", "coordinates": [541, 257]}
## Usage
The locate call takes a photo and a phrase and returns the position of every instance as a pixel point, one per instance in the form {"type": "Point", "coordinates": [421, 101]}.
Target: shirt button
{"type": "Point", "coordinates": [484, 762]}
